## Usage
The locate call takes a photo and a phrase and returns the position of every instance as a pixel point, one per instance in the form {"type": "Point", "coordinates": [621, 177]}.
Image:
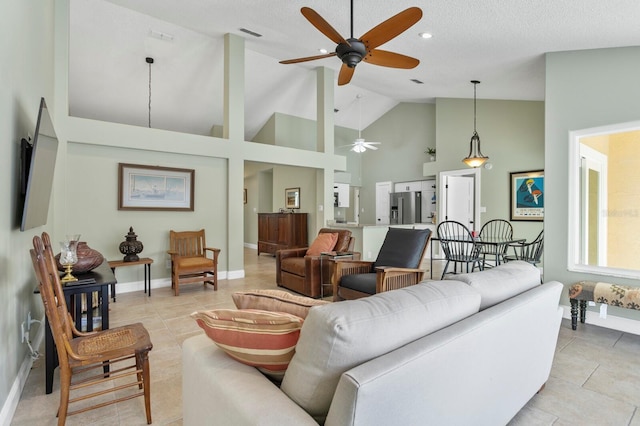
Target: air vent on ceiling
{"type": "Point", "coordinates": [244, 30]}
{"type": "Point", "coordinates": [416, 81]}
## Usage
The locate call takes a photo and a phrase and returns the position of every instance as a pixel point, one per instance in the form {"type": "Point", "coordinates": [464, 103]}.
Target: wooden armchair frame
{"type": "Point", "coordinates": [79, 353]}
{"type": "Point", "coordinates": [189, 260]}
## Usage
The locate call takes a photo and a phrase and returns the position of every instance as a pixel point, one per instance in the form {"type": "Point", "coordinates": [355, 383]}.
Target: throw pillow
{"type": "Point", "coordinates": [324, 242]}
{"type": "Point", "coordinates": [262, 339]}
{"type": "Point", "coordinates": [275, 301]}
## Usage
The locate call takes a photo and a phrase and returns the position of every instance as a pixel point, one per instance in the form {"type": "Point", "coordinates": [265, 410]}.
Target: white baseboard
{"type": "Point", "coordinates": [615, 323]}
{"type": "Point", "coordinates": [166, 282]}
{"type": "Point", "coordinates": [11, 403]}
{"type": "Point", "coordinates": [251, 246]}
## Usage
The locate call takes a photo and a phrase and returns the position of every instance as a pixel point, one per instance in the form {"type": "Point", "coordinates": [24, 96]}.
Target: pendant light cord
{"type": "Point", "coordinates": [149, 61]}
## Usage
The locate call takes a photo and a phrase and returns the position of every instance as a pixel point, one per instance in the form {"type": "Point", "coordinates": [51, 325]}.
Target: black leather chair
{"type": "Point", "coordinates": [397, 266]}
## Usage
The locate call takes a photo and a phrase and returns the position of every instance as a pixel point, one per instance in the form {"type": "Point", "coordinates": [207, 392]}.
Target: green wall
{"type": "Point", "coordinates": [26, 71]}
{"type": "Point", "coordinates": [584, 89]}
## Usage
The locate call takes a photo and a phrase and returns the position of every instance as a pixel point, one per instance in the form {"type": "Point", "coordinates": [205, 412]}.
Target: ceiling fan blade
{"type": "Point", "coordinates": [390, 59]}
{"type": "Point", "coordinates": [323, 26]}
{"type": "Point", "coordinates": [391, 28]}
{"type": "Point", "coordinates": [308, 58]}
{"type": "Point", "coordinates": [371, 145]}
{"type": "Point", "coordinates": [345, 75]}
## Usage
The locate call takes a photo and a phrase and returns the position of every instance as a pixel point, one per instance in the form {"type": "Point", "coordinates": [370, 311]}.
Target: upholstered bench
{"type": "Point", "coordinates": [611, 294]}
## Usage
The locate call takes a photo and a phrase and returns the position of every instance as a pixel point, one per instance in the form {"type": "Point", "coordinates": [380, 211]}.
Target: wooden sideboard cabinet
{"type": "Point", "coordinates": [277, 231]}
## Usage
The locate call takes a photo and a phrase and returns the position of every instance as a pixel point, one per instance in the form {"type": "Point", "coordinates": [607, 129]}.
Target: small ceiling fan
{"type": "Point", "coordinates": [352, 50]}
{"type": "Point", "coordinates": [360, 145]}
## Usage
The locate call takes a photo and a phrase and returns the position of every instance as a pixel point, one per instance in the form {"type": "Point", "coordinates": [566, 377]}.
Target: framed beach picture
{"type": "Point", "coordinates": [143, 187]}
{"type": "Point", "coordinates": [527, 195]}
{"type": "Point", "coordinates": [292, 198]}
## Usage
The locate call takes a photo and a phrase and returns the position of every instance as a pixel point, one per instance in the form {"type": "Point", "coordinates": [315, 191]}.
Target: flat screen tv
{"type": "Point", "coordinates": [38, 165]}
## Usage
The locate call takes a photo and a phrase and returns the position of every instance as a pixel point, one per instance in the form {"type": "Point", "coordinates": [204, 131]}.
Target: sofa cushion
{"type": "Point", "coordinates": [338, 336]}
{"type": "Point", "coordinates": [275, 301]}
{"type": "Point", "coordinates": [365, 283]}
{"type": "Point", "coordinates": [502, 282]}
{"type": "Point", "coordinates": [263, 339]}
{"type": "Point", "coordinates": [402, 248]}
{"type": "Point", "coordinates": [293, 265]}
{"type": "Point", "coordinates": [324, 242]}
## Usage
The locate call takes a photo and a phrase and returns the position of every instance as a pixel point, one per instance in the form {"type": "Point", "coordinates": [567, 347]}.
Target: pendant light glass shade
{"type": "Point", "coordinates": [475, 157]}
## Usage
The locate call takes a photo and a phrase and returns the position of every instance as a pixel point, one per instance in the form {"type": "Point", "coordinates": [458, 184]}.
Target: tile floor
{"type": "Point", "coordinates": [595, 378]}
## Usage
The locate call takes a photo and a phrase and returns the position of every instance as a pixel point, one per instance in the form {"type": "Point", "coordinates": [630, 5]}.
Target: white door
{"type": "Point", "coordinates": [459, 200]}
{"type": "Point", "coordinates": [383, 189]}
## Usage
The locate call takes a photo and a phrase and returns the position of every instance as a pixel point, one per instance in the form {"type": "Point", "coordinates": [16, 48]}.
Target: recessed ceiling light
{"type": "Point", "coordinates": [323, 51]}
{"type": "Point", "coordinates": [425, 35]}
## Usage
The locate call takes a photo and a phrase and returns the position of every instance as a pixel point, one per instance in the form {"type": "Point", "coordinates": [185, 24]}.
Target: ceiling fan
{"type": "Point", "coordinates": [360, 145]}
{"type": "Point", "coordinates": [352, 50]}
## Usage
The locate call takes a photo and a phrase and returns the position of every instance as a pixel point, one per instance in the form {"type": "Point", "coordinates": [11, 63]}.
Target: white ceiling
{"type": "Point", "coordinates": [499, 42]}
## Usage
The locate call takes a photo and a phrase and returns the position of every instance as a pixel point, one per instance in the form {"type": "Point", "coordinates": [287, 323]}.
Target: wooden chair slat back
{"type": "Point", "coordinates": [55, 307]}
{"type": "Point", "coordinates": [187, 243]}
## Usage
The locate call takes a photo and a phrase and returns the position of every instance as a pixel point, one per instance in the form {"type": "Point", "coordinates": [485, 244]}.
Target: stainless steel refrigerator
{"type": "Point", "coordinates": [406, 207]}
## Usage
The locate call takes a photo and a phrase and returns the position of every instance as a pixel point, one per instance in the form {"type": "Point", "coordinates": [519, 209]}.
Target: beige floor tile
{"type": "Point", "coordinates": [594, 378]}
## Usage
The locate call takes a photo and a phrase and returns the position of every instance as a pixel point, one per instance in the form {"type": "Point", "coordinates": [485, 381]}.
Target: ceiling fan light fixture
{"type": "Point", "coordinates": [359, 148]}
{"type": "Point", "coordinates": [475, 157]}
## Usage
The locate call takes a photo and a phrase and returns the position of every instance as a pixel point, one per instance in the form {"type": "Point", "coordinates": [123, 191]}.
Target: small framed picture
{"type": "Point", "coordinates": [527, 195]}
{"type": "Point", "coordinates": [143, 187]}
{"type": "Point", "coordinates": [292, 198]}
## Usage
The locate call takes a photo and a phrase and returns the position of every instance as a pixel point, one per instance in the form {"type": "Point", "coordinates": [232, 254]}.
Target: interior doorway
{"type": "Point", "coordinates": [460, 197]}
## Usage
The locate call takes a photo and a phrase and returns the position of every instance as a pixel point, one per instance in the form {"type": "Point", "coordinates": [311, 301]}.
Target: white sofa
{"type": "Point", "coordinates": [423, 355]}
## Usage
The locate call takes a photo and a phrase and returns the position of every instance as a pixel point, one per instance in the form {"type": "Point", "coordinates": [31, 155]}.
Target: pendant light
{"type": "Point", "coordinates": [149, 61]}
{"type": "Point", "coordinates": [475, 157]}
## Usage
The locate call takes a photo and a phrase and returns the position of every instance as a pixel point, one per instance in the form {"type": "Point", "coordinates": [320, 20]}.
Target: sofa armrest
{"type": "Point", "coordinates": [217, 390]}
{"type": "Point", "coordinates": [296, 252]}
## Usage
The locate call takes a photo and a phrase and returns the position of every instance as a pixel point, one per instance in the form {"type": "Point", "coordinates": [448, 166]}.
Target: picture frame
{"type": "Point", "coordinates": [245, 196]}
{"type": "Point", "coordinates": [292, 198]}
{"type": "Point", "coordinates": [527, 195]}
{"type": "Point", "coordinates": [142, 187]}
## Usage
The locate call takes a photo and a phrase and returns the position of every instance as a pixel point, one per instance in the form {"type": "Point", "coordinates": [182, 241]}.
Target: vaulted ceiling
{"type": "Point", "coordinates": [501, 43]}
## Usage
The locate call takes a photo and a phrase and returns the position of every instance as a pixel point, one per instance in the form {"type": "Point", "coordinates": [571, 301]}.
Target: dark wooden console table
{"type": "Point", "coordinates": [98, 281]}
{"type": "Point", "coordinates": [146, 261]}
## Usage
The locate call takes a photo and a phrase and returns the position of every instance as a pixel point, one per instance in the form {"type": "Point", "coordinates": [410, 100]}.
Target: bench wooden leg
{"type": "Point", "coordinates": [574, 313]}
{"type": "Point", "coordinates": [583, 310]}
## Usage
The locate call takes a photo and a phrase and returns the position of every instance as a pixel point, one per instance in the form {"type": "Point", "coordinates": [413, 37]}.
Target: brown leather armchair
{"type": "Point", "coordinates": [301, 273]}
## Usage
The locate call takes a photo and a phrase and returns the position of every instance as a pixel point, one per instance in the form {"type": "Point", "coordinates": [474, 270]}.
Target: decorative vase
{"type": "Point", "coordinates": [131, 247]}
{"type": "Point", "coordinates": [88, 259]}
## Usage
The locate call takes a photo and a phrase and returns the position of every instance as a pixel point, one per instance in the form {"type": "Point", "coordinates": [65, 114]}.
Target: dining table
{"type": "Point", "coordinates": [497, 244]}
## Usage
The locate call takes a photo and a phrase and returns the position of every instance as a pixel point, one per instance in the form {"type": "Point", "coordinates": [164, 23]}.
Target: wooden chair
{"type": "Point", "coordinates": [80, 353]}
{"type": "Point", "coordinates": [189, 260]}
{"type": "Point", "coordinates": [458, 246]}
{"type": "Point", "coordinates": [529, 252]}
{"type": "Point", "coordinates": [495, 229]}
{"type": "Point", "coordinates": [397, 266]}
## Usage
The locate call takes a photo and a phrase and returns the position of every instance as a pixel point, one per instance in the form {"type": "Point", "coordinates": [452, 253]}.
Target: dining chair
{"type": "Point", "coordinates": [80, 353]}
{"type": "Point", "coordinates": [528, 251]}
{"type": "Point", "coordinates": [495, 230]}
{"type": "Point", "coordinates": [191, 260]}
{"type": "Point", "coordinates": [458, 246]}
